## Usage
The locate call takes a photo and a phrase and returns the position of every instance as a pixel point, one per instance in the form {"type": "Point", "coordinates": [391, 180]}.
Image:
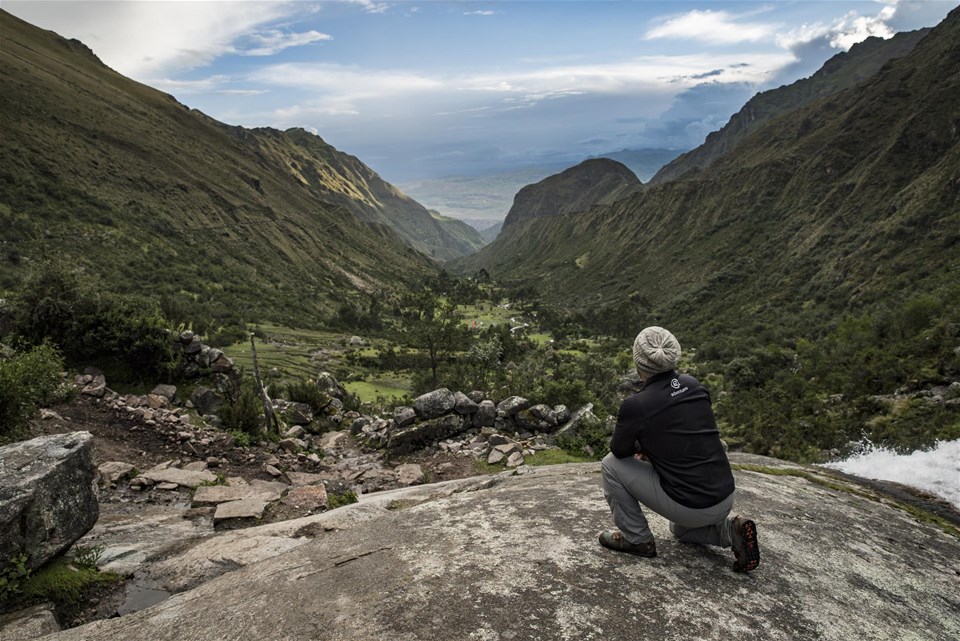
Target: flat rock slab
{"type": "Point", "coordinates": [516, 557]}
{"type": "Point", "coordinates": [48, 497]}
{"type": "Point", "coordinates": [185, 478]}
{"type": "Point", "coordinates": [244, 509]}
{"type": "Point", "coordinates": [307, 497]}
{"type": "Point", "coordinates": [28, 624]}
{"type": "Point", "coordinates": [263, 490]}
{"type": "Point", "coordinates": [306, 478]}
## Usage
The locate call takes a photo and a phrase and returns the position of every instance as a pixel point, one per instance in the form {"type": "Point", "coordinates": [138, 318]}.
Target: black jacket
{"type": "Point", "coordinates": [672, 422]}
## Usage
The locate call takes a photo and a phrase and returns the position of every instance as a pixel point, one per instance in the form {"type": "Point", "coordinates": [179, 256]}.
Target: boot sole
{"type": "Point", "coordinates": [751, 548]}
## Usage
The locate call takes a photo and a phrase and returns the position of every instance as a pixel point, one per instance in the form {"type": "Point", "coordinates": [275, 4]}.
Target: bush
{"type": "Point", "coordinates": [125, 336]}
{"type": "Point", "coordinates": [27, 380]}
{"type": "Point", "coordinates": [243, 411]}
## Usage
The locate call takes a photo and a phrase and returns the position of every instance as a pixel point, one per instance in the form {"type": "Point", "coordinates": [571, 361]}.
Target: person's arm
{"type": "Point", "coordinates": [627, 432]}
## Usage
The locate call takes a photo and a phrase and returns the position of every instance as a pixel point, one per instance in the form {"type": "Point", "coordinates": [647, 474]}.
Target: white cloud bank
{"type": "Point", "coordinates": [715, 27]}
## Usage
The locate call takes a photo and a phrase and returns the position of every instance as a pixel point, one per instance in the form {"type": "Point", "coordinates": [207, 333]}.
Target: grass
{"type": "Point", "coordinates": [368, 391]}
{"type": "Point", "coordinates": [486, 313]}
{"type": "Point", "coordinates": [60, 583]}
{"type": "Point", "coordinates": [556, 457]}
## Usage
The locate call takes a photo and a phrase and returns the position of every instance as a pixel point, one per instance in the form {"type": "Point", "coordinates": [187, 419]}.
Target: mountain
{"type": "Point", "coordinates": [849, 200]}
{"type": "Point", "coordinates": [645, 163]}
{"type": "Point", "coordinates": [125, 182]}
{"type": "Point", "coordinates": [457, 235]}
{"type": "Point", "coordinates": [490, 233]}
{"type": "Point", "coordinates": [597, 181]}
{"type": "Point", "coordinates": [842, 71]}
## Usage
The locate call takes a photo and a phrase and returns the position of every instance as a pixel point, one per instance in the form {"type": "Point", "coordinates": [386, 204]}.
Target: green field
{"type": "Point", "coordinates": [386, 386]}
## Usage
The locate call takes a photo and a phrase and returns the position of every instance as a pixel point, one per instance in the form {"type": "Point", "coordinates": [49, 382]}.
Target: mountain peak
{"type": "Point", "coordinates": [594, 181]}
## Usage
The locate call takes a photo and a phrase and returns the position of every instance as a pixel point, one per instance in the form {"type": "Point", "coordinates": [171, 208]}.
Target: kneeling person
{"type": "Point", "coordinates": [666, 454]}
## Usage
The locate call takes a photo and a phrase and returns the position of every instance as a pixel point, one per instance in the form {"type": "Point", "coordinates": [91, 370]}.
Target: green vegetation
{"type": "Point", "coordinates": [556, 457]}
{"type": "Point", "coordinates": [64, 584]}
{"type": "Point", "coordinates": [243, 410]}
{"type": "Point", "coordinates": [339, 500]}
{"type": "Point", "coordinates": [27, 380]}
{"type": "Point", "coordinates": [125, 336]}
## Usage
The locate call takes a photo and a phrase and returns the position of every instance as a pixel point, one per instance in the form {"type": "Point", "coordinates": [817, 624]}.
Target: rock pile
{"type": "Point", "coordinates": [197, 359]}
{"type": "Point", "coordinates": [472, 425]}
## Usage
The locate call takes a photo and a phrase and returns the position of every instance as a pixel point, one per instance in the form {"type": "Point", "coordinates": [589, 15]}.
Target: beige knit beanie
{"type": "Point", "coordinates": [656, 350]}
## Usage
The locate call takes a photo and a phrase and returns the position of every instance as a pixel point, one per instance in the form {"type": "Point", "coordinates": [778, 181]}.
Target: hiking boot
{"type": "Point", "coordinates": [745, 546]}
{"type": "Point", "coordinates": [614, 540]}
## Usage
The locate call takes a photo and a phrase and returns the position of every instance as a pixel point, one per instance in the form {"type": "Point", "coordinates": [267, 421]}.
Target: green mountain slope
{"type": "Point", "coordinates": [596, 181]}
{"type": "Point", "coordinates": [127, 183]}
{"type": "Point", "coordinates": [459, 235]}
{"type": "Point", "coordinates": [852, 199]}
{"type": "Point", "coordinates": [842, 71]}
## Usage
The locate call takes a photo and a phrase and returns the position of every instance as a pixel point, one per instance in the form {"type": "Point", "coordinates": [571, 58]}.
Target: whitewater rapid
{"type": "Point", "coordinates": [936, 471]}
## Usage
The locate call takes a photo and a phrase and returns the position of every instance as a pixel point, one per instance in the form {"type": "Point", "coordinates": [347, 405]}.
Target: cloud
{"type": "Point", "coordinates": [267, 43]}
{"type": "Point", "coordinates": [372, 7]}
{"type": "Point", "coordinates": [479, 13]}
{"type": "Point", "coordinates": [145, 40]}
{"type": "Point", "coordinates": [715, 27]}
{"type": "Point", "coordinates": [209, 85]}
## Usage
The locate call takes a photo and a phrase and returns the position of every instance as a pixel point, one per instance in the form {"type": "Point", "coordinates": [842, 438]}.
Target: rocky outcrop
{"type": "Point", "coordinates": [461, 559]}
{"type": "Point", "coordinates": [48, 496]}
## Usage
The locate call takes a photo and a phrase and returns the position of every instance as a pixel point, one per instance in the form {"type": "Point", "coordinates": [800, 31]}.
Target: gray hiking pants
{"type": "Point", "coordinates": [628, 482]}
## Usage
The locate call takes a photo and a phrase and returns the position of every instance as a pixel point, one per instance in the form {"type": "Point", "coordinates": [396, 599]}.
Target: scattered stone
{"type": "Point", "coordinates": [404, 416]}
{"type": "Point", "coordinates": [512, 405]}
{"type": "Point", "coordinates": [194, 346]}
{"type": "Point", "coordinates": [213, 461]}
{"type": "Point", "coordinates": [166, 391]}
{"type": "Point", "coordinates": [515, 460]}
{"type": "Point", "coordinates": [307, 497]}
{"type": "Point", "coordinates": [272, 471]}
{"type": "Point", "coordinates": [206, 400]}
{"type": "Point", "coordinates": [475, 396]}
{"type": "Point", "coordinates": [496, 456]}
{"type": "Point", "coordinates": [163, 473]}
{"type": "Point", "coordinates": [328, 383]}
{"type": "Point", "coordinates": [196, 466]}
{"type": "Point", "coordinates": [409, 473]}
{"type": "Point", "coordinates": [486, 414]}
{"type": "Point", "coordinates": [332, 440]}
{"type": "Point", "coordinates": [463, 404]}
{"type": "Point", "coordinates": [48, 498]}
{"type": "Point", "coordinates": [292, 445]}
{"type": "Point", "coordinates": [295, 413]}
{"type": "Point", "coordinates": [155, 401]}
{"type": "Point", "coordinates": [167, 486]}
{"type": "Point", "coordinates": [296, 431]}
{"type": "Point", "coordinates": [305, 478]}
{"type": "Point", "coordinates": [256, 489]}
{"type": "Point", "coordinates": [411, 438]}
{"type": "Point", "coordinates": [115, 471]}
{"type": "Point", "coordinates": [221, 365]}
{"type": "Point", "coordinates": [243, 510]}
{"type": "Point", "coordinates": [47, 414]}
{"type": "Point", "coordinates": [434, 404]}
{"type": "Point", "coordinates": [96, 388]}
{"type": "Point", "coordinates": [498, 439]}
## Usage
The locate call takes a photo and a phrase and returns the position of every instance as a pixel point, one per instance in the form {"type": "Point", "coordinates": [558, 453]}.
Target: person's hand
{"type": "Point", "coordinates": [640, 456]}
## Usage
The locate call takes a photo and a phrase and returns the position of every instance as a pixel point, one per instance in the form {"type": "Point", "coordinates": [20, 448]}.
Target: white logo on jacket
{"type": "Point", "coordinates": [675, 384]}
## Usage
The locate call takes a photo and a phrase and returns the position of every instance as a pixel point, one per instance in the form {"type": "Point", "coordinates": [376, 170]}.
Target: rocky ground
{"type": "Point", "coordinates": [169, 479]}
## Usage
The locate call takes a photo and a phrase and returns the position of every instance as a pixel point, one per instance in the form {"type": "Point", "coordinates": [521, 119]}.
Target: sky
{"type": "Point", "coordinates": [424, 89]}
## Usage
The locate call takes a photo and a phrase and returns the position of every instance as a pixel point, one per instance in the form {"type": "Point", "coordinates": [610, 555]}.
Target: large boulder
{"type": "Point", "coordinates": [426, 433]}
{"type": "Point", "coordinates": [435, 403]}
{"type": "Point", "coordinates": [486, 414]}
{"type": "Point", "coordinates": [328, 384]}
{"type": "Point", "coordinates": [512, 405]}
{"type": "Point", "coordinates": [206, 400]}
{"type": "Point", "coordinates": [48, 496]}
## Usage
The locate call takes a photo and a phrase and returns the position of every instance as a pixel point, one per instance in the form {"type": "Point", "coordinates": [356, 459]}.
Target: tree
{"type": "Point", "coordinates": [434, 326]}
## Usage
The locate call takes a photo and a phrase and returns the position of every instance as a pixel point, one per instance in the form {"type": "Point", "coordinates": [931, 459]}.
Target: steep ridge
{"type": "Point", "coordinates": [851, 199]}
{"type": "Point", "coordinates": [842, 71]}
{"type": "Point", "coordinates": [130, 184]}
{"type": "Point", "coordinates": [595, 181]}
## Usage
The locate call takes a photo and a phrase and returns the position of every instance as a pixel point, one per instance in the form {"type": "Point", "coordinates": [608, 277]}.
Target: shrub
{"type": "Point", "coordinates": [243, 411]}
{"type": "Point", "coordinates": [27, 380]}
{"type": "Point", "coordinates": [126, 336]}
